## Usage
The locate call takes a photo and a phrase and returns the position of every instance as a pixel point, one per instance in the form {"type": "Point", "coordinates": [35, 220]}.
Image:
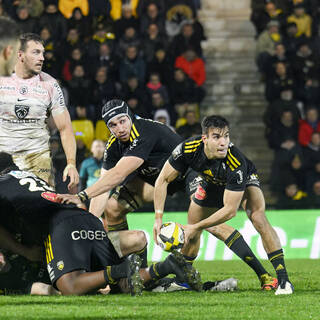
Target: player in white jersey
{"type": "Point", "coordinates": [9, 45]}
{"type": "Point", "coordinates": [27, 99]}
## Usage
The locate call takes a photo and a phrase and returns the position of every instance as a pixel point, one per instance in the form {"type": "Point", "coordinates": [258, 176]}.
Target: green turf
{"type": "Point", "coordinates": [249, 302]}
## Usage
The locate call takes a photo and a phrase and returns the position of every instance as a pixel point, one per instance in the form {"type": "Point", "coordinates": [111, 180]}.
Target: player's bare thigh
{"type": "Point", "coordinates": [253, 201]}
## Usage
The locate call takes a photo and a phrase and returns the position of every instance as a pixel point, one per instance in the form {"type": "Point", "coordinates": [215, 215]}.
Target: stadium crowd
{"type": "Point", "coordinates": [145, 52]}
{"type": "Point", "coordinates": [287, 56]}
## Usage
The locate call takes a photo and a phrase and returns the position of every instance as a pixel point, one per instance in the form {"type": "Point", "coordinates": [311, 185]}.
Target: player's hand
{"type": "Point", "coordinates": [190, 232]}
{"type": "Point", "coordinates": [33, 253]}
{"type": "Point", "coordinates": [156, 229]}
{"type": "Point", "coordinates": [69, 198]}
{"type": "Point", "coordinates": [71, 171]}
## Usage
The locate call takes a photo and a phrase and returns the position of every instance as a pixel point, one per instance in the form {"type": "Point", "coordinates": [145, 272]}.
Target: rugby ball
{"type": "Point", "coordinates": [171, 236]}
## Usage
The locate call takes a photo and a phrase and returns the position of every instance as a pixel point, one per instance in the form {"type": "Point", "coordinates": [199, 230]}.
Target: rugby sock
{"type": "Point", "coordinates": [277, 260]}
{"type": "Point", "coordinates": [237, 244]}
{"type": "Point", "coordinates": [115, 272]}
{"type": "Point", "coordinates": [189, 259]}
{"type": "Point", "coordinates": [143, 255]}
{"type": "Point", "coordinates": [118, 227]}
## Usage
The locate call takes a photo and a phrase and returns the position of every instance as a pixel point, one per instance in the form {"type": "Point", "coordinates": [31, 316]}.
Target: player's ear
{"type": "Point", "coordinates": [204, 138]}
{"type": "Point", "coordinates": [7, 52]}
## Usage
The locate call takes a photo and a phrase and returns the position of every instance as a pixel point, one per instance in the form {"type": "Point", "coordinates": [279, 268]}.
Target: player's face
{"type": "Point", "coordinates": [120, 126]}
{"type": "Point", "coordinates": [97, 149]}
{"type": "Point", "coordinates": [216, 143]}
{"type": "Point", "coordinates": [33, 57]}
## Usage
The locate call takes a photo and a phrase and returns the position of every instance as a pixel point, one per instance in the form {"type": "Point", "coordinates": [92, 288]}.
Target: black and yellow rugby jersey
{"type": "Point", "coordinates": [150, 140]}
{"type": "Point", "coordinates": [231, 172]}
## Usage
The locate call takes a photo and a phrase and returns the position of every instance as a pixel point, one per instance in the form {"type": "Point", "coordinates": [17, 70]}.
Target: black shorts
{"type": "Point", "coordinates": [211, 196]}
{"type": "Point", "coordinates": [77, 241]}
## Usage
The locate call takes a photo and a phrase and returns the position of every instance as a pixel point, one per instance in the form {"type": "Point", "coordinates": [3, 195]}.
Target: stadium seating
{"type": "Point", "coordinates": [101, 131]}
{"type": "Point", "coordinates": [84, 130]}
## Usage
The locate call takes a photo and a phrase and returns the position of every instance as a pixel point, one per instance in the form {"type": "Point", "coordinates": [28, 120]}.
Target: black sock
{"type": "Point", "coordinates": [115, 272]}
{"type": "Point", "coordinates": [189, 259]}
{"type": "Point", "coordinates": [118, 227]}
{"type": "Point", "coordinates": [160, 269]}
{"type": "Point", "coordinates": [277, 260]}
{"type": "Point", "coordinates": [143, 254]}
{"type": "Point", "coordinates": [237, 244]}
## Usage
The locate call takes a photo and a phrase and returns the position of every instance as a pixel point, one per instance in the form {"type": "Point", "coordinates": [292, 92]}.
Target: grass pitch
{"type": "Point", "coordinates": [248, 302]}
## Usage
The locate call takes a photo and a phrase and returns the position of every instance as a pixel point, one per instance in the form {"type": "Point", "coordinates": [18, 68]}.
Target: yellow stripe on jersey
{"type": "Point", "coordinates": [234, 158]}
{"type": "Point", "coordinates": [189, 151]}
{"type": "Point", "coordinates": [49, 253]}
{"type": "Point", "coordinates": [192, 146]}
{"type": "Point", "coordinates": [111, 141]}
{"type": "Point", "coordinates": [230, 166]}
{"type": "Point", "coordinates": [135, 130]}
{"type": "Point", "coordinates": [193, 142]}
{"type": "Point", "coordinates": [232, 162]}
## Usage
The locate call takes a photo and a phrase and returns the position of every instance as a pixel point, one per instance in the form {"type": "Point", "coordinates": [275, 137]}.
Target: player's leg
{"type": "Point", "coordinates": [125, 199]}
{"type": "Point", "coordinates": [255, 207]}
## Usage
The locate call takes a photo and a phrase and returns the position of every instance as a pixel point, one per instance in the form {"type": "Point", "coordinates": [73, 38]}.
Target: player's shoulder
{"type": "Point", "coordinates": [192, 145]}
{"type": "Point", "coordinates": [234, 158]}
{"type": "Point", "coordinates": [45, 77]}
{"type": "Point", "coordinates": [111, 142]}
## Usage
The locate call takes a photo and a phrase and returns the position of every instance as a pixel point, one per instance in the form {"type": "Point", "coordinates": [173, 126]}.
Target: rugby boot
{"type": "Point", "coordinates": [268, 282]}
{"type": "Point", "coordinates": [285, 287]}
{"type": "Point", "coordinates": [229, 284]}
{"type": "Point", "coordinates": [133, 275]}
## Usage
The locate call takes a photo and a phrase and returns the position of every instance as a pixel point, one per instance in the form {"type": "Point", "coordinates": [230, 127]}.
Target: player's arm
{"type": "Point", "coordinates": [231, 200]}
{"type": "Point", "coordinates": [8, 242]}
{"type": "Point", "coordinates": [63, 123]}
{"type": "Point", "coordinates": [98, 204]}
{"type": "Point", "coordinates": [106, 182]}
{"type": "Point", "coordinates": [167, 175]}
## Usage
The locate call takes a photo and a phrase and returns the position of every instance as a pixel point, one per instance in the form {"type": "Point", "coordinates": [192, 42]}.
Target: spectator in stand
{"type": "Point", "coordinates": [66, 7]}
{"type": "Point", "coordinates": [24, 20]}
{"type": "Point", "coordinates": [143, 6]}
{"type": "Point", "coordinates": [315, 194]}
{"type": "Point", "coordinates": [81, 23]}
{"type": "Point", "coordinates": [157, 103]}
{"type": "Point", "coordinates": [132, 64]}
{"type": "Point", "coordinates": [182, 88]}
{"type": "Point", "coordinates": [311, 155]}
{"type": "Point", "coordinates": [292, 39]}
{"type": "Point", "coordinates": [76, 58]}
{"type": "Point", "coordinates": [162, 115]}
{"type": "Point", "coordinates": [192, 127]}
{"type": "Point", "coordinates": [105, 59]}
{"type": "Point", "coordinates": [185, 39]}
{"type": "Point", "coordinates": [155, 85]}
{"type": "Point", "coordinates": [260, 18]}
{"type": "Point", "coordinates": [35, 7]}
{"type": "Point", "coordinates": [305, 65]}
{"type": "Point", "coordinates": [103, 89]}
{"type": "Point", "coordinates": [79, 86]}
{"type": "Point", "coordinates": [162, 64]}
{"type": "Point", "coordinates": [152, 16]}
{"type": "Point", "coordinates": [52, 64]}
{"type": "Point", "coordinates": [90, 168]}
{"type": "Point", "coordinates": [99, 9]}
{"type": "Point", "coordinates": [55, 21]}
{"type": "Point", "coordinates": [309, 125]}
{"type": "Point", "coordinates": [132, 88]}
{"type": "Point", "coordinates": [72, 41]}
{"type": "Point", "coordinates": [282, 132]}
{"type": "Point", "coordinates": [193, 66]}
{"type": "Point", "coordinates": [309, 94]}
{"type": "Point", "coordinates": [48, 41]}
{"type": "Point", "coordinates": [266, 44]}
{"type": "Point", "coordinates": [127, 20]}
{"type": "Point", "coordinates": [152, 40]}
{"type": "Point", "coordinates": [291, 196]}
{"type": "Point", "coordinates": [278, 56]}
{"type": "Point", "coordinates": [285, 102]}
{"type": "Point", "coordinates": [282, 79]}
{"type": "Point", "coordinates": [301, 19]}
{"type": "Point", "coordinates": [129, 38]}
{"type": "Point", "coordinates": [116, 8]}
{"type": "Point", "coordinates": [82, 112]}
{"type": "Point", "coordinates": [137, 106]}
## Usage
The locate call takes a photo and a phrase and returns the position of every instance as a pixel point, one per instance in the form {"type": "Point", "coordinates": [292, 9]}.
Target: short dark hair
{"type": "Point", "coordinates": [26, 37]}
{"type": "Point", "coordinates": [9, 32]}
{"type": "Point", "coordinates": [6, 162]}
{"type": "Point", "coordinates": [213, 121]}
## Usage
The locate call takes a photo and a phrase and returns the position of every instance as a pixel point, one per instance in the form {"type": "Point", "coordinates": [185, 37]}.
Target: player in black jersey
{"type": "Point", "coordinates": [80, 255]}
{"type": "Point", "coordinates": [229, 179]}
{"type": "Point", "coordinates": [134, 156]}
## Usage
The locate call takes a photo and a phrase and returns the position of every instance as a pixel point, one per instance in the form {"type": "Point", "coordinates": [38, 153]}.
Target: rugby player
{"type": "Point", "coordinates": [134, 156]}
{"type": "Point", "coordinates": [228, 180]}
{"type": "Point", "coordinates": [9, 45]}
{"type": "Point", "coordinates": [28, 98]}
{"type": "Point", "coordinates": [80, 255]}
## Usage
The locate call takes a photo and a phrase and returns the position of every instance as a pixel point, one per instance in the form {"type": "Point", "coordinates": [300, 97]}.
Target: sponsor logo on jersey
{"type": "Point", "coordinates": [21, 111]}
{"type": "Point", "coordinates": [21, 174]}
{"type": "Point", "coordinates": [200, 193]}
{"type": "Point", "coordinates": [177, 152]}
{"type": "Point", "coordinates": [60, 265]}
{"type": "Point", "coordinates": [23, 90]}
{"type": "Point", "coordinates": [240, 179]}
{"type": "Point", "coordinates": [133, 144]}
{"type": "Point", "coordinates": [88, 235]}
{"type": "Point", "coordinates": [150, 171]}
{"type": "Point", "coordinates": [51, 196]}
{"type": "Point", "coordinates": [51, 272]}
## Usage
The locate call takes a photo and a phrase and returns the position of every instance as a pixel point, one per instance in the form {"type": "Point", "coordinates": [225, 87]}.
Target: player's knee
{"type": "Point", "coordinates": [141, 239]}
{"type": "Point", "coordinates": [258, 219]}
{"type": "Point", "coordinates": [113, 210]}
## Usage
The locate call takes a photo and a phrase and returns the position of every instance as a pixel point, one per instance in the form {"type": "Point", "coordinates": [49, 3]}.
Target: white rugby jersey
{"type": "Point", "coordinates": [25, 105]}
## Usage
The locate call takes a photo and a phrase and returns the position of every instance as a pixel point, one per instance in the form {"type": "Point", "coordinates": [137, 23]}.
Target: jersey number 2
{"type": "Point", "coordinates": [34, 184]}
